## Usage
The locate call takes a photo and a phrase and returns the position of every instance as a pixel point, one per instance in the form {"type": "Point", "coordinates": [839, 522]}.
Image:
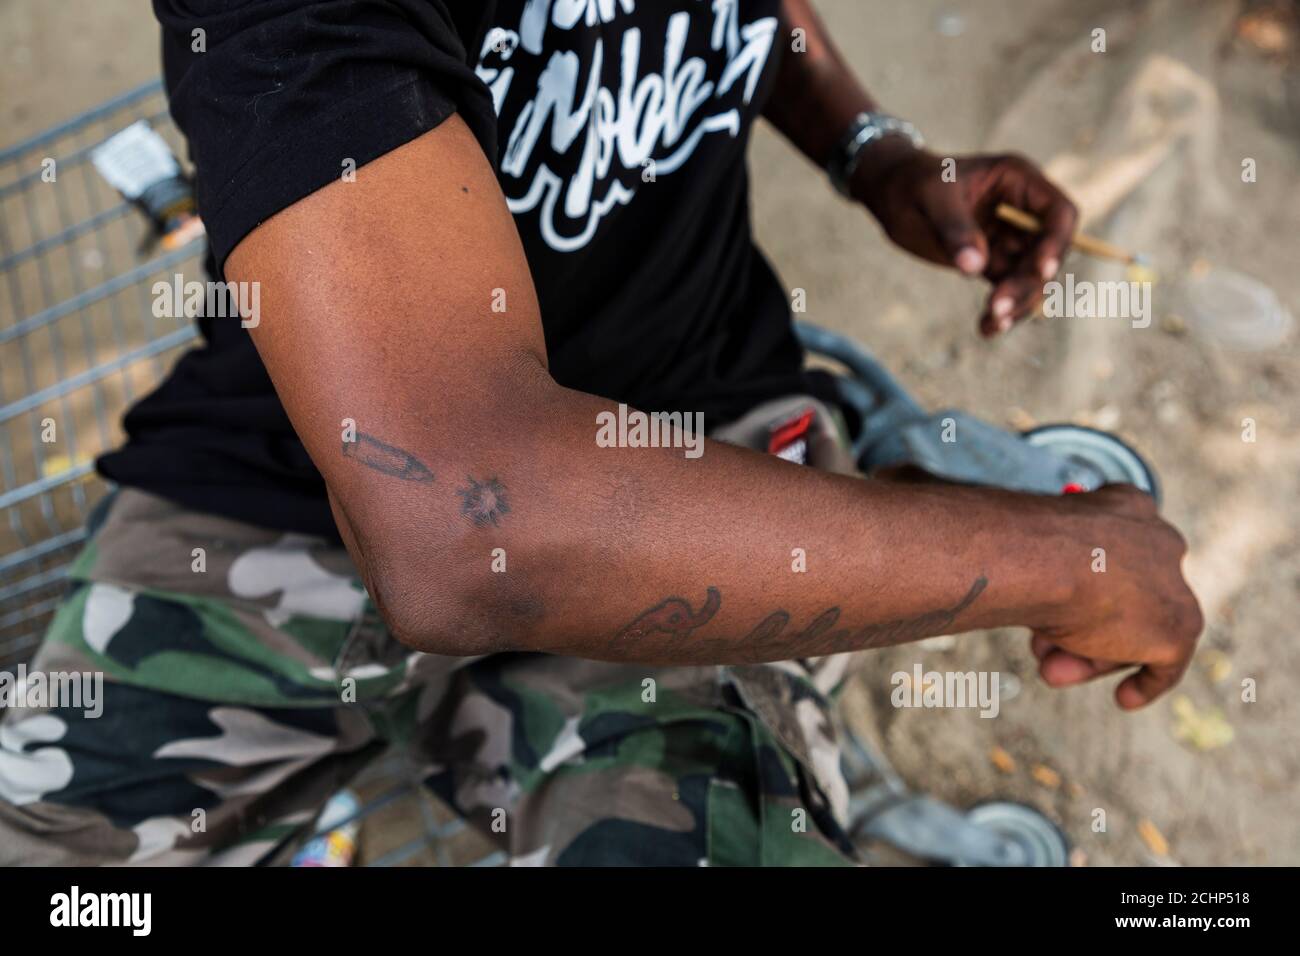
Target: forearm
{"type": "Point", "coordinates": [644, 554]}
{"type": "Point", "coordinates": [816, 95]}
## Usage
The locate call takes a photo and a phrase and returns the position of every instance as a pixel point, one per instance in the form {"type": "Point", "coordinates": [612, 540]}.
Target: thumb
{"type": "Point", "coordinates": [1146, 684]}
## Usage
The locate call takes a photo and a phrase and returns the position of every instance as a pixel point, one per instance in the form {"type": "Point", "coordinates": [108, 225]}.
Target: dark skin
{"type": "Point", "coordinates": [377, 307]}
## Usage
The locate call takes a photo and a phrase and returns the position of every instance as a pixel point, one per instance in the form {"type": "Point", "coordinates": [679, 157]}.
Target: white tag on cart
{"type": "Point", "coordinates": [135, 159]}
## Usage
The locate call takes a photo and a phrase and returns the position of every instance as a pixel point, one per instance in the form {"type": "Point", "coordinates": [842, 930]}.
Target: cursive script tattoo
{"type": "Point", "coordinates": [484, 502]}
{"type": "Point", "coordinates": [386, 458]}
{"type": "Point", "coordinates": [673, 616]}
{"type": "Point", "coordinates": [772, 639]}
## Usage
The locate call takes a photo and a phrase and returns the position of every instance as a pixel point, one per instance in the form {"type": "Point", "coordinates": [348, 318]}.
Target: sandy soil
{"type": "Point", "coordinates": [1150, 136]}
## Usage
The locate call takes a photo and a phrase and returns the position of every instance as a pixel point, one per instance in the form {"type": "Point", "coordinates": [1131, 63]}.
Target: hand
{"type": "Point", "coordinates": [1138, 612]}
{"type": "Point", "coordinates": [954, 223]}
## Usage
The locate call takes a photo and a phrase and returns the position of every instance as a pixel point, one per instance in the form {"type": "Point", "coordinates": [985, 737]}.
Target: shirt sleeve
{"type": "Point", "coordinates": [278, 98]}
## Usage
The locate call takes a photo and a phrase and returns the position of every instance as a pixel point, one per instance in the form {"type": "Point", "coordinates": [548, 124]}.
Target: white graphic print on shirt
{"type": "Point", "coordinates": [650, 123]}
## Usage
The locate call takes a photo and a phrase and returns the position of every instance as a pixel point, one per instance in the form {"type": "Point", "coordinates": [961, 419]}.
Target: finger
{"type": "Point", "coordinates": [1040, 646]}
{"type": "Point", "coordinates": [1012, 299]}
{"type": "Point", "coordinates": [988, 325]}
{"type": "Point", "coordinates": [1060, 668]}
{"type": "Point", "coordinates": [1059, 218]}
{"type": "Point", "coordinates": [1148, 683]}
{"type": "Point", "coordinates": [1025, 185]}
{"type": "Point", "coordinates": [958, 233]}
{"type": "Point", "coordinates": [1006, 252]}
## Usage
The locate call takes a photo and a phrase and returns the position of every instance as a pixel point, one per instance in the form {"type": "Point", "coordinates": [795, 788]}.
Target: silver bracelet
{"type": "Point", "coordinates": [865, 129]}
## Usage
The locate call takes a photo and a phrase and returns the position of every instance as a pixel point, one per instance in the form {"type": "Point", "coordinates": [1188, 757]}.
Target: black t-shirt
{"type": "Point", "coordinates": [619, 130]}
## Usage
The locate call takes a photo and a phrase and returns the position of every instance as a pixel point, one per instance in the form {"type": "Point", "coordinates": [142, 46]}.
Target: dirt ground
{"type": "Point", "coordinates": [1150, 137]}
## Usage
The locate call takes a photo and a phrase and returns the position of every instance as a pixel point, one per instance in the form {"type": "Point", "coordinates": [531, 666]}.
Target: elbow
{"type": "Point", "coordinates": [441, 582]}
{"type": "Point", "coordinates": [464, 610]}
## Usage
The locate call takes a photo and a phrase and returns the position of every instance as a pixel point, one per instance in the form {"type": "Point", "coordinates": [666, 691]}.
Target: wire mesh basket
{"type": "Point", "coordinates": [79, 343]}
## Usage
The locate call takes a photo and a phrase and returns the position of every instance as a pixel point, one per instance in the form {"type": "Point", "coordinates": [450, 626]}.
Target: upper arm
{"type": "Point", "coordinates": [374, 291]}
{"type": "Point", "coordinates": [395, 306]}
{"type": "Point", "coordinates": [398, 310]}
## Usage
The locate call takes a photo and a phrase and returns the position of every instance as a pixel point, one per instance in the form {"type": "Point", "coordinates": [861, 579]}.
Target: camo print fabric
{"type": "Point", "coordinates": [238, 698]}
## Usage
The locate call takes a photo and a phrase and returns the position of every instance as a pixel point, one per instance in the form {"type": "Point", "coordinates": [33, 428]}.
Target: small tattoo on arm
{"type": "Point", "coordinates": [773, 638]}
{"type": "Point", "coordinates": [388, 459]}
{"type": "Point", "coordinates": [484, 502]}
{"type": "Point", "coordinates": [673, 616]}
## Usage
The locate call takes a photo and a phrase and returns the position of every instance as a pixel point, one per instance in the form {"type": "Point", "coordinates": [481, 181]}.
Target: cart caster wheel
{"type": "Point", "coordinates": [1095, 458]}
{"type": "Point", "coordinates": [1039, 840]}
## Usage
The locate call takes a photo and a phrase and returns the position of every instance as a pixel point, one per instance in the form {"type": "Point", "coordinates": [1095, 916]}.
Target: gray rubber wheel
{"type": "Point", "coordinates": [1096, 457]}
{"type": "Point", "coordinates": [1039, 840]}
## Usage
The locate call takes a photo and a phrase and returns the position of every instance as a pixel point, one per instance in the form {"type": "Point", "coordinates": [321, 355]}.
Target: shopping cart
{"type": "Point", "coordinates": [78, 342]}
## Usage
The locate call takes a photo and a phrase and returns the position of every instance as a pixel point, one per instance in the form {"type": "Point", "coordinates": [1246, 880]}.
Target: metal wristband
{"type": "Point", "coordinates": [865, 129]}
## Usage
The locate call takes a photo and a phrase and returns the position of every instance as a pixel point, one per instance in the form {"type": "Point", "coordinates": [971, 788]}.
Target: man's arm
{"type": "Point", "coordinates": [377, 307]}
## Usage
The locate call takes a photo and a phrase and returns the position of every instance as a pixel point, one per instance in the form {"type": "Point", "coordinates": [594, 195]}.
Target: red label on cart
{"type": "Point", "coordinates": [789, 440]}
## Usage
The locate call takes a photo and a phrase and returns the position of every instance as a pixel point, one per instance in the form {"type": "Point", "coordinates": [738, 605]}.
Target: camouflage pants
{"type": "Point", "coordinates": [246, 677]}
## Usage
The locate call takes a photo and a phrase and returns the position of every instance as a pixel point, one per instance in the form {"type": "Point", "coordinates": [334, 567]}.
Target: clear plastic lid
{"type": "Point", "coordinates": [1234, 310]}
